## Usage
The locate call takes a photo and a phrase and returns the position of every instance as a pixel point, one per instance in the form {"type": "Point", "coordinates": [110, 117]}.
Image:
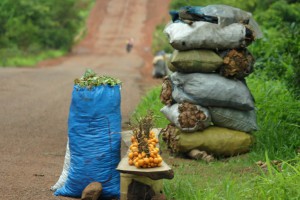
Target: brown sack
{"type": "Point", "coordinates": [214, 140]}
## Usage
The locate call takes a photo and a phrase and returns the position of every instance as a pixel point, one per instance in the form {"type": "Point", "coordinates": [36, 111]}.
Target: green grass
{"type": "Point", "coordinates": [236, 178]}
{"type": "Point", "coordinates": [216, 180]}
{"type": "Point", "coordinates": [279, 184]}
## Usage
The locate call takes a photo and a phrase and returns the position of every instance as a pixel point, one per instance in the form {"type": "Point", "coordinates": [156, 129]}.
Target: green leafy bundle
{"type": "Point", "coordinates": [90, 80]}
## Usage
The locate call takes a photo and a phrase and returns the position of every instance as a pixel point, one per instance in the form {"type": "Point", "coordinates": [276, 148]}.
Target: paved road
{"type": "Point", "coordinates": [34, 102]}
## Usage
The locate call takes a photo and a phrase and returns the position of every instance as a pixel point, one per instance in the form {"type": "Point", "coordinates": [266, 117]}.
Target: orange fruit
{"type": "Point", "coordinates": [132, 138]}
{"type": "Point", "coordinates": [152, 155]}
{"type": "Point", "coordinates": [130, 162]}
{"type": "Point", "coordinates": [134, 149]}
{"type": "Point", "coordinates": [137, 164]}
{"type": "Point", "coordinates": [146, 161]}
{"type": "Point", "coordinates": [130, 155]}
{"type": "Point", "coordinates": [155, 160]}
{"type": "Point", "coordinates": [141, 162]}
{"type": "Point", "coordinates": [150, 160]}
{"type": "Point", "coordinates": [159, 159]}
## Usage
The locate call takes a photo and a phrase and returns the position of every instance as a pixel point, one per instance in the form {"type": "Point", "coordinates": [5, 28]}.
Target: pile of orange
{"type": "Point", "coordinates": [145, 159]}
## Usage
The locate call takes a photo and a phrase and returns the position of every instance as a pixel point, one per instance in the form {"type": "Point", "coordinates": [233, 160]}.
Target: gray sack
{"type": "Point", "coordinates": [234, 119]}
{"type": "Point", "coordinates": [159, 69]}
{"type": "Point", "coordinates": [211, 90]}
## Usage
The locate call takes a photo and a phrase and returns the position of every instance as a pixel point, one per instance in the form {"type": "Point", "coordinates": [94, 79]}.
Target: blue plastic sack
{"type": "Point", "coordinates": [94, 128]}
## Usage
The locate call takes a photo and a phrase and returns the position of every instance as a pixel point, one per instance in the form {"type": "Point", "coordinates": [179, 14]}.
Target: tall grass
{"type": "Point", "coordinates": [276, 184]}
{"type": "Point", "coordinates": [278, 117]}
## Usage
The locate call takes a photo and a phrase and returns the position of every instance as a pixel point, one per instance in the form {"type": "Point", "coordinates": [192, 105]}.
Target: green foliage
{"type": "Point", "coordinates": [90, 80]}
{"type": "Point", "coordinates": [278, 53]}
{"type": "Point", "coordinates": [278, 119]}
{"type": "Point", "coordinates": [31, 26]}
{"type": "Point", "coordinates": [160, 41]}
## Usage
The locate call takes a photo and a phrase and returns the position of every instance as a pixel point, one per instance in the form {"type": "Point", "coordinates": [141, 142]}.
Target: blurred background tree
{"type": "Point", "coordinates": [32, 26]}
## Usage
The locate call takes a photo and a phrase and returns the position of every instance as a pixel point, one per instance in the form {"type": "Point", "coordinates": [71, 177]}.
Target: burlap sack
{"type": "Point", "coordinates": [214, 140]}
{"type": "Point", "coordinates": [196, 61]}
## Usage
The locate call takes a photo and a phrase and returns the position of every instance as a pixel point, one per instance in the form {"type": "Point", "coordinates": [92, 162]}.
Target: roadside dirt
{"type": "Point", "coordinates": [35, 102]}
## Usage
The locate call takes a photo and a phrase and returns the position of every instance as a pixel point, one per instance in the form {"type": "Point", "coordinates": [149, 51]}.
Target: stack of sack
{"type": "Point", "coordinates": [206, 97]}
{"type": "Point", "coordinates": [93, 148]}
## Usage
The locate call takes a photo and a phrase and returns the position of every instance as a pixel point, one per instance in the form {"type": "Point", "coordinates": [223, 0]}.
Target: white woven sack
{"type": "Point", "coordinates": [64, 174]}
{"type": "Point", "coordinates": [172, 114]}
{"type": "Point", "coordinates": [205, 35]}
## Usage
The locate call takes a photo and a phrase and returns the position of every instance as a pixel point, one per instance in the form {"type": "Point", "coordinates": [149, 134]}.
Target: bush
{"type": "Point", "coordinates": [278, 118]}
{"type": "Point", "coordinates": [32, 26]}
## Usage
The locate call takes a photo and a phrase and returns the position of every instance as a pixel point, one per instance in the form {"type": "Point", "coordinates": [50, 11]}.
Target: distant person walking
{"type": "Point", "coordinates": [129, 45]}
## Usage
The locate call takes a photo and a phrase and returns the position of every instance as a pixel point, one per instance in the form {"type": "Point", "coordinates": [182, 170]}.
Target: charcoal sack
{"type": "Point", "coordinates": [211, 90]}
{"type": "Point", "coordinates": [234, 119]}
{"type": "Point", "coordinates": [188, 118]}
{"type": "Point", "coordinates": [205, 35]}
{"type": "Point", "coordinates": [204, 61]}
